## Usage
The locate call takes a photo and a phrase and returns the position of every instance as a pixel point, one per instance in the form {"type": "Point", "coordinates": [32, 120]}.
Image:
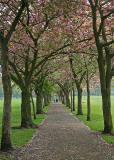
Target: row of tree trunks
{"type": "Point", "coordinates": [62, 97]}
{"type": "Point", "coordinates": [79, 106]}
{"type": "Point", "coordinates": [26, 117]}
{"type": "Point", "coordinates": [65, 89]}
{"type": "Point", "coordinates": [42, 100]}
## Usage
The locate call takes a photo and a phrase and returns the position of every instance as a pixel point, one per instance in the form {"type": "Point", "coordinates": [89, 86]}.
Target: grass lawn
{"type": "Point", "coordinates": [3, 158]}
{"type": "Point", "coordinates": [96, 122]}
{"type": "Point", "coordinates": [20, 136]}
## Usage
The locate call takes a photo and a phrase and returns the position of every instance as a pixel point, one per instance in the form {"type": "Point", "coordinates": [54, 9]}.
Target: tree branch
{"type": "Point", "coordinates": [108, 43]}
{"type": "Point", "coordinates": [12, 28]}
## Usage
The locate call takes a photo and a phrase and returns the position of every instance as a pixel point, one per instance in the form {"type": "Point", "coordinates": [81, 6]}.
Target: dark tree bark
{"type": "Point", "coordinates": [26, 119]}
{"type": "Point", "coordinates": [48, 98]}
{"type": "Point", "coordinates": [39, 103]}
{"type": "Point", "coordinates": [63, 99]}
{"type": "Point", "coordinates": [6, 120]}
{"type": "Point", "coordinates": [79, 109]}
{"type": "Point", "coordinates": [73, 108]}
{"type": "Point", "coordinates": [88, 99]}
{"type": "Point", "coordinates": [65, 88]}
{"type": "Point", "coordinates": [67, 99]}
{"type": "Point", "coordinates": [34, 112]}
{"type": "Point", "coordinates": [106, 91]}
{"type": "Point", "coordinates": [71, 104]}
{"type": "Point", "coordinates": [45, 100]}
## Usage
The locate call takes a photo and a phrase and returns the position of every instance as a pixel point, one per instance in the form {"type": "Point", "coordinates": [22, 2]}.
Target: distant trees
{"type": "Point", "coordinates": [78, 70]}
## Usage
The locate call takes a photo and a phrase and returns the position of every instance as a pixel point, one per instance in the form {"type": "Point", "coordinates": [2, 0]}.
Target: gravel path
{"type": "Point", "coordinates": [63, 137]}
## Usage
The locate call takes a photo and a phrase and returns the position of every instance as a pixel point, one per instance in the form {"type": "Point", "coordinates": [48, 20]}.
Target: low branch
{"type": "Point", "coordinates": [107, 43]}
{"type": "Point", "coordinates": [109, 14]}
{"type": "Point", "coordinates": [15, 69]}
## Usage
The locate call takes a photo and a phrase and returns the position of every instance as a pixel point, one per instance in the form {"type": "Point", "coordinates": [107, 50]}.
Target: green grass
{"type": "Point", "coordinates": [109, 139]}
{"type": "Point", "coordinates": [20, 136]}
{"type": "Point", "coordinates": [3, 158]}
{"type": "Point", "coordinates": [96, 122]}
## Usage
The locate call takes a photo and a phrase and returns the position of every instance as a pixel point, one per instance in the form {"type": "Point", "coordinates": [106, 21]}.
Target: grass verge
{"type": "Point", "coordinates": [96, 122]}
{"type": "Point", "coordinates": [20, 136]}
{"type": "Point", "coordinates": [3, 158]}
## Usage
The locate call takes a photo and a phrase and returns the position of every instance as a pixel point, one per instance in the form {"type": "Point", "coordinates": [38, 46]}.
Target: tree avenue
{"type": "Point", "coordinates": [64, 44]}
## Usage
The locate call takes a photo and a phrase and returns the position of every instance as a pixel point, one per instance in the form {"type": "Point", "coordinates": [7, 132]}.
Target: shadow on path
{"type": "Point", "coordinates": [63, 137]}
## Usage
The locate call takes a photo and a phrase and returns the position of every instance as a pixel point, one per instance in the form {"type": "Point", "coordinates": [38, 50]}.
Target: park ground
{"type": "Point", "coordinates": [21, 137]}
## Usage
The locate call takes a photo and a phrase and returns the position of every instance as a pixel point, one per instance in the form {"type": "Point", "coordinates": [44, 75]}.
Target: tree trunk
{"type": "Point", "coordinates": [105, 81]}
{"type": "Point", "coordinates": [79, 111]}
{"type": "Point", "coordinates": [26, 119]}
{"type": "Point", "coordinates": [88, 99]}
{"type": "Point", "coordinates": [73, 108]}
{"type": "Point", "coordinates": [63, 99]}
{"type": "Point", "coordinates": [108, 127]}
{"type": "Point", "coordinates": [67, 100]}
{"type": "Point", "coordinates": [39, 105]}
{"type": "Point", "coordinates": [33, 107]}
{"type": "Point", "coordinates": [49, 98]}
{"type": "Point", "coordinates": [71, 104]}
{"type": "Point", "coordinates": [6, 119]}
{"type": "Point", "coordinates": [45, 100]}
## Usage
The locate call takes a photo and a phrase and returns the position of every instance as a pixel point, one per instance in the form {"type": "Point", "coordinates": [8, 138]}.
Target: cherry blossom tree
{"type": "Point", "coordinates": [101, 12]}
{"type": "Point", "coordinates": [34, 48]}
{"type": "Point", "coordinates": [10, 13]}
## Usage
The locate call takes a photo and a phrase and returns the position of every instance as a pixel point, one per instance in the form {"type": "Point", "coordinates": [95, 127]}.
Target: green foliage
{"type": "Point", "coordinates": [47, 86]}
